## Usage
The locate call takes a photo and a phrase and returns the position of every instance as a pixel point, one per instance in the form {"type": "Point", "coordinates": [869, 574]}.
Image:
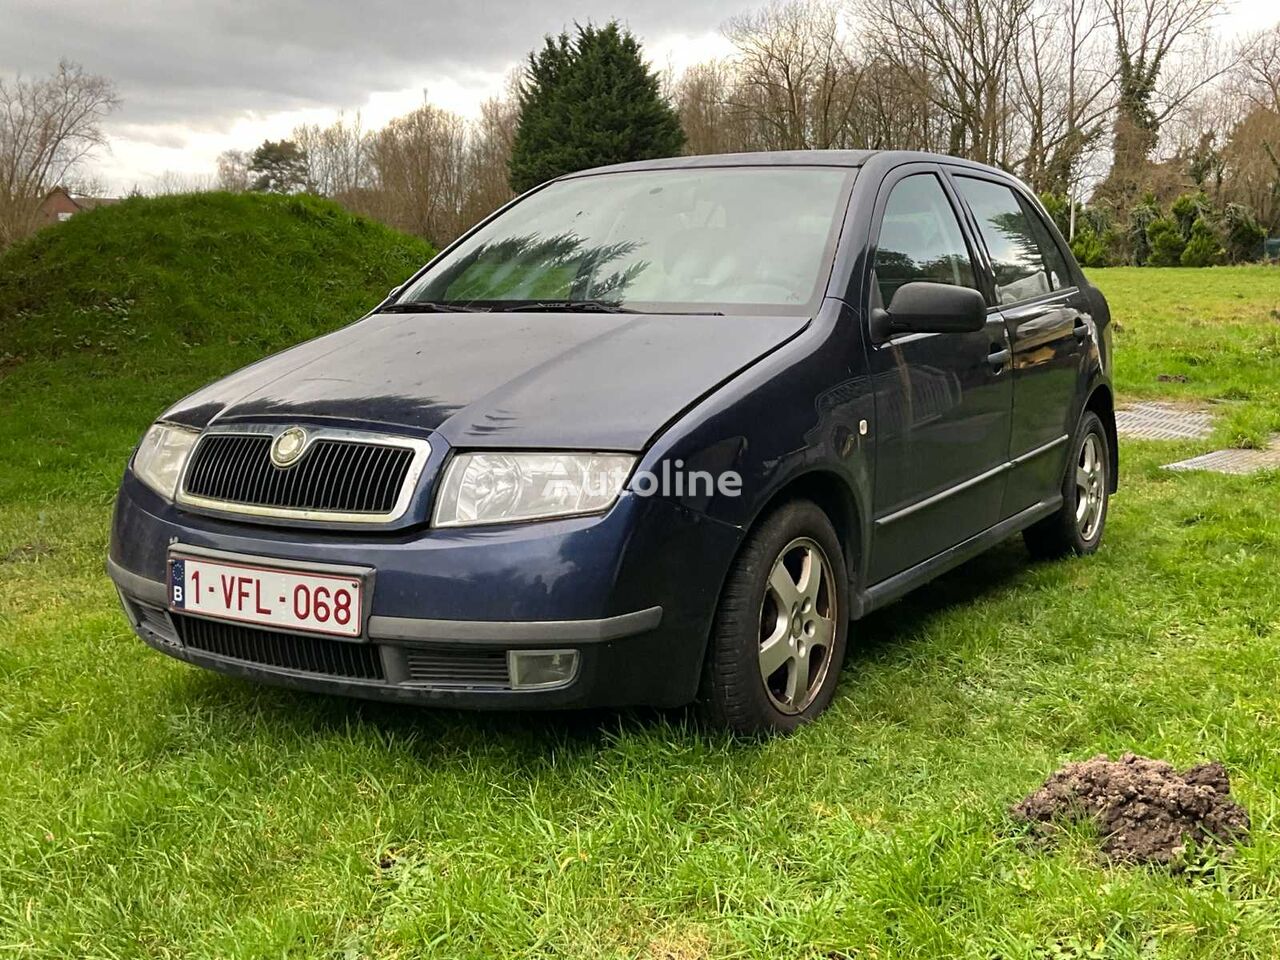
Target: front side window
{"type": "Point", "coordinates": [1022, 270]}
{"type": "Point", "coordinates": [719, 237]}
{"type": "Point", "coordinates": [920, 239]}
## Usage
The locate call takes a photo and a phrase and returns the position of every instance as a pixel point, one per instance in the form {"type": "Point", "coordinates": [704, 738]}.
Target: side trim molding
{"type": "Point", "coordinates": [1040, 450]}
{"type": "Point", "coordinates": [888, 590]}
{"type": "Point", "coordinates": [971, 482]}
{"type": "Point", "coordinates": [943, 495]}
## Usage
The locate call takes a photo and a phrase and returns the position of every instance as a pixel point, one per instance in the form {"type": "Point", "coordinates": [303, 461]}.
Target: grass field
{"type": "Point", "coordinates": [148, 809]}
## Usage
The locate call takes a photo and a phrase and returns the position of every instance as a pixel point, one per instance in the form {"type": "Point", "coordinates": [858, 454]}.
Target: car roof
{"type": "Point", "coordinates": [782, 158]}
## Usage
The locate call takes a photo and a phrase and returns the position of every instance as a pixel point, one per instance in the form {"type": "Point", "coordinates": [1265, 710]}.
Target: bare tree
{"type": "Point", "coordinates": [337, 156]}
{"type": "Point", "coordinates": [1065, 90]}
{"type": "Point", "coordinates": [1250, 155]}
{"type": "Point", "coordinates": [795, 78]}
{"type": "Point", "coordinates": [896, 110]}
{"type": "Point", "coordinates": [1153, 81]}
{"type": "Point", "coordinates": [487, 181]}
{"type": "Point", "coordinates": [1260, 70]}
{"type": "Point", "coordinates": [959, 53]}
{"type": "Point", "coordinates": [1251, 165]}
{"type": "Point", "coordinates": [174, 182]}
{"type": "Point", "coordinates": [419, 165]}
{"type": "Point", "coordinates": [702, 97]}
{"type": "Point", "coordinates": [48, 128]}
{"type": "Point", "coordinates": [233, 171]}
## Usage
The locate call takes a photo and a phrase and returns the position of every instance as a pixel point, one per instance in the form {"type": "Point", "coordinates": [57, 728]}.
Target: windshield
{"type": "Point", "coordinates": [749, 239]}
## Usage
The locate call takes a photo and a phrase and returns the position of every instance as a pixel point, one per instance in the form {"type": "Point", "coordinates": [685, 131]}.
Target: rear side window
{"type": "Point", "coordinates": [920, 239]}
{"type": "Point", "coordinates": [1025, 264]}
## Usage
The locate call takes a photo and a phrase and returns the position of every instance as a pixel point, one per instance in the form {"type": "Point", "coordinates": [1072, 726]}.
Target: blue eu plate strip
{"type": "Point", "coordinates": [177, 580]}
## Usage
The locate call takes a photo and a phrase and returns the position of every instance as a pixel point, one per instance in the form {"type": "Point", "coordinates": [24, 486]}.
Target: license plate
{"type": "Point", "coordinates": [289, 599]}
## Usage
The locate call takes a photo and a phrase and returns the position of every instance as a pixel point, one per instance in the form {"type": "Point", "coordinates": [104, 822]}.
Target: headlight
{"type": "Point", "coordinates": [162, 455]}
{"type": "Point", "coordinates": [507, 487]}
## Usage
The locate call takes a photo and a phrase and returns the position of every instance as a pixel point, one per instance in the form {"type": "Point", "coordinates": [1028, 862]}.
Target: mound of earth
{"type": "Point", "coordinates": [155, 276]}
{"type": "Point", "coordinates": [1146, 811]}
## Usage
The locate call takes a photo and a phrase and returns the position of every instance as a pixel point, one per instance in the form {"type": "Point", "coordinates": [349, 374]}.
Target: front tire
{"type": "Point", "coordinates": [1077, 526]}
{"type": "Point", "coordinates": [781, 626]}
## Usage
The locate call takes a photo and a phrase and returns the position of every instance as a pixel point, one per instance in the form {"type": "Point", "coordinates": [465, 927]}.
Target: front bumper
{"type": "Point", "coordinates": [630, 595]}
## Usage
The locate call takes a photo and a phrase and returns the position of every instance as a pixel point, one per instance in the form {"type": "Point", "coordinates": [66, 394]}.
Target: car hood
{"type": "Point", "coordinates": [595, 381]}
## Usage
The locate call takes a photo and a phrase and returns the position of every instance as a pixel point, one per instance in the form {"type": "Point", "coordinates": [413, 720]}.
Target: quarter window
{"type": "Point", "coordinates": [920, 239]}
{"type": "Point", "coordinates": [1017, 246]}
{"type": "Point", "coordinates": [1059, 275]}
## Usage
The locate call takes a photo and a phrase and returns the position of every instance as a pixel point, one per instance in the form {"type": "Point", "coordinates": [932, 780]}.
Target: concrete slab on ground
{"type": "Point", "coordinates": [1233, 461]}
{"type": "Point", "coordinates": [1155, 420]}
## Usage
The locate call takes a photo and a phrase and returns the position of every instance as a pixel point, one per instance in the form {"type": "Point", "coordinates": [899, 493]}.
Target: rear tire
{"type": "Point", "coordinates": [778, 640]}
{"type": "Point", "coordinates": [1077, 526]}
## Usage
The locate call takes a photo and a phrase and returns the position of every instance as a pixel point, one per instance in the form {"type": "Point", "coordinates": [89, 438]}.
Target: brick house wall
{"type": "Point", "coordinates": [57, 206]}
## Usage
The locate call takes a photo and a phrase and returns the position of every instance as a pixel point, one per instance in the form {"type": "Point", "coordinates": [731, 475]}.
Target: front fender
{"type": "Point", "coordinates": [792, 416]}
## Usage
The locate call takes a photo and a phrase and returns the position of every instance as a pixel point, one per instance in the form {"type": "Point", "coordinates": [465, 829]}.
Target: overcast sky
{"type": "Point", "coordinates": [201, 76]}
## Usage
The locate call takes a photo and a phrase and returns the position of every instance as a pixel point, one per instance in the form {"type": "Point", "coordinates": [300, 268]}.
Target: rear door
{"type": "Point", "coordinates": [942, 399]}
{"type": "Point", "coordinates": [1046, 313]}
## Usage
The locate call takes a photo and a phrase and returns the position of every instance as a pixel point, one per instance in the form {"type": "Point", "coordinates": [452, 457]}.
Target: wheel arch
{"type": "Point", "coordinates": [835, 498]}
{"type": "Point", "coordinates": [1102, 402]}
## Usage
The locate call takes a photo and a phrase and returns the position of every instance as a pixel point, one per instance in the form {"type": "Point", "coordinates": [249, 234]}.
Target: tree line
{"type": "Point", "coordinates": [584, 99]}
{"type": "Point", "coordinates": [1150, 137]}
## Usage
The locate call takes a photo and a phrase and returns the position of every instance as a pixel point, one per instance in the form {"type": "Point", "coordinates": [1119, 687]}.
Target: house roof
{"type": "Point", "coordinates": [81, 203]}
{"type": "Point", "coordinates": [91, 203]}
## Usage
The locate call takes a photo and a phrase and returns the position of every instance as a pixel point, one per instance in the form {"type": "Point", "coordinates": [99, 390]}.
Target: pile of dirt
{"type": "Point", "coordinates": [1145, 810]}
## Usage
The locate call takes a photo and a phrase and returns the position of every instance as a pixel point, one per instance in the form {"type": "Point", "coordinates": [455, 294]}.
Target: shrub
{"type": "Point", "coordinates": [1193, 233]}
{"type": "Point", "coordinates": [1246, 237]}
{"type": "Point", "coordinates": [1203, 249]}
{"type": "Point", "coordinates": [1089, 248]}
{"type": "Point", "coordinates": [1189, 208]}
{"type": "Point", "coordinates": [1141, 217]}
{"type": "Point", "coordinates": [1165, 242]}
{"type": "Point", "coordinates": [1059, 210]}
{"type": "Point", "coordinates": [1097, 218]}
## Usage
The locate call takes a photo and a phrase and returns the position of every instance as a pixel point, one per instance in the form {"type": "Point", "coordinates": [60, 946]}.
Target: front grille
{"type": "Point", "coordinates": [332, 658]}
{"type": "Point", "coordinates": [333, 475]}
{"type": "Point", "coordinates": [453, 668]}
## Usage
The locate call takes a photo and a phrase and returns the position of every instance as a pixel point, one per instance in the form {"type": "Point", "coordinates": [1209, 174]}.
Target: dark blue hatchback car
{"type": "Point", "coordinates": [651, 434]}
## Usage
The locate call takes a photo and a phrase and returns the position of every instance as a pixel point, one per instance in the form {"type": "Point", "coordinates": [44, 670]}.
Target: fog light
{"type": "Point", "coordinates": [541, 668]}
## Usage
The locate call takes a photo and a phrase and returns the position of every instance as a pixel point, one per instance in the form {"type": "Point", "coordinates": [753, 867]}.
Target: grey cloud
{"type": "Point", "coordinates": [202, 62]}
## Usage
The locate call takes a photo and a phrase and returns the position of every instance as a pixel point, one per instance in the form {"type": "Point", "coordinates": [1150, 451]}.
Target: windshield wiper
{"type": "Point", "coordinates": [527, 306]}
{"type": "Point", "coordinates": [563, 306]}
{"type": "Point", "coordinates": [592, 306]}
{"type": "Point", "coordinates": [427, 306]}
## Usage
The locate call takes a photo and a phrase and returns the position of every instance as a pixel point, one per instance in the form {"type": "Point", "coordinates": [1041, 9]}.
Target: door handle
{"type": "Point", "coordinates": [1081, 329]}
{"type": "Point", "coordinates": [999, 358]}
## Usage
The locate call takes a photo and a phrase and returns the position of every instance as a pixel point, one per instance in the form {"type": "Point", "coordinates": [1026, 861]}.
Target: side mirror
{"type": "Point", "coordinates": [922, 307]}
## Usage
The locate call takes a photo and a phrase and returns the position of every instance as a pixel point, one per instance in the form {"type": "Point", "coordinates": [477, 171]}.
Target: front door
{"type": "Point", "coordinates": [1047, 316]}
{"type": "Point", "coordinates": [942, 400]}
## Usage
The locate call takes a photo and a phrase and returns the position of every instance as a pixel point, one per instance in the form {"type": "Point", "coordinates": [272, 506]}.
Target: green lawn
{"type": "Point", "coordinates": [151, 809]}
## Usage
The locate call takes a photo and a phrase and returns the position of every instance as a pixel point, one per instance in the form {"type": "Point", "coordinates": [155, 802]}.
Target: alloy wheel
{"type": "Point", "coordinates": [1091, 476]}
{"type": "Point", "coordinates": [797, 626]}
